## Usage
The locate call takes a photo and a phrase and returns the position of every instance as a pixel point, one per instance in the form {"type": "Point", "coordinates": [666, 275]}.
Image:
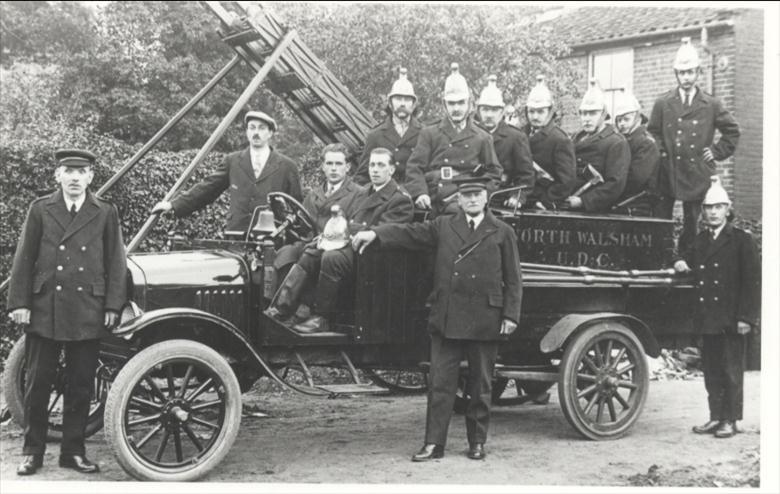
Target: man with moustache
{"type": "Point", "coordinates": [250, 175]}
{"type": "Point", "coordinates": [551, 149]}
{"type": "Point", "coordinates": [509, 142]}
{"type": "Point", "coordinates": [67, 287]}
{"type": "Point", "coordinates": [475, 304]}
{"type": "Point", "coordinates": [444, 150]}
{"type": "Point", "coordinates": [683, 122]}
{"type": "Point", "coordinates": [639, 196]}
{"type": "Point", "coordinates": [398, 132]}
{"type": "Point", "coordinates": [727, 268]}
{"type": "Point", "coordinates": [600, 146]}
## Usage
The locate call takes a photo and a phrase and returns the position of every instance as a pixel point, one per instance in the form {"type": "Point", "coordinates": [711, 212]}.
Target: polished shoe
{"type": "Point", "coordinates": [476, 451]}
{"type": "Point", "coordinates": [30, 465]}
{"type": "Point", "coordinates": [726, 429]}
{"type": "Point", "coordinates": [78, 463]}
{"type": "Point", "coordinates": [429, 452]}
{"type": "Point", "coordinates": [708, 428]}
{"type": "Point", "coordinates": [314, 324]}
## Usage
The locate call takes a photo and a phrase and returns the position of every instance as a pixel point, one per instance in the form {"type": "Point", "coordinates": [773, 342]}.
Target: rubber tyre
{"type": "Point", "coordinates": [122, 390]}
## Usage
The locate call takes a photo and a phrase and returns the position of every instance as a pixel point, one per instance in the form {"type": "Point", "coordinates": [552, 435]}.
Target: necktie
{"type": "Point", "coordinates": [687, 99]}
{"type": "Point", "coordinates": [73, 211]}
{"type": "Point", "coordinates": [472, 225]}
{"type": "Point", "coordinates": [329, 191]}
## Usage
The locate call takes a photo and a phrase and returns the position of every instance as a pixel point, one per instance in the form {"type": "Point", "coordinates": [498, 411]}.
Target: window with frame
{"type": "Point", "coordinates": [614, 69]}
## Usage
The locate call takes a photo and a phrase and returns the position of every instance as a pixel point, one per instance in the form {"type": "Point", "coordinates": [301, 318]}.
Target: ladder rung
{"type": "Point", "coordinates": [242, 37]}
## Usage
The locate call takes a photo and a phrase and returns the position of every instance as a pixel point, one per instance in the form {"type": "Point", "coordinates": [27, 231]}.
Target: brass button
{"type": "Point", "coordinates": [81, 268]}
{"type": "Point", "coordinates": [467, 145]}
{"type": "Point", "coordinates": [446, 160]}
{"type": "Point", "coordinates": [701, 299]}
{"type": "Point", "coordinates": [715, 265]}
{"type": "Point", "coordinates": [59, 268]}
{"type": "Point", "coordinates": [83, 248]}
{"type": "Point", "coordinates": [62, 247]}
{"type": "Point", "coordinates": [456, 273]}
{"type": "Point", "coordinates": [701, 267]}
{"type": "Point", "coordinates": [716, 282]}
{"type": "Point", "coordinates": [715, 299]}
{"type": "Point", "coordinates": [79, 289]}
{"type": "Point", "coordinates": [701, 283]}
{"type": "Point", "coordinates": [59, 288]}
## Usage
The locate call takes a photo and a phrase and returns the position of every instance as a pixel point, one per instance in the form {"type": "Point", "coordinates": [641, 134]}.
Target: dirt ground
{"type": "Point", "coordinates": [370, 439]}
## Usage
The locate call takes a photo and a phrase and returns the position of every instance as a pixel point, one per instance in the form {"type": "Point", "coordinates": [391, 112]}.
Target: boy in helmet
{"type": "Point", "coordinates": [683, 123]}
{"type": "Point", "coordinates": [639, 195]}
{"type": "Point", "coordinates": [509, 142]}
{"type": "Point", "coordinates": [726, 265]}
{"type": "Point", "coordinates": [551, 148]}
{"type": "Point", "coordinates": [398, 132]}
{"type": "Point", "coordinates": [446, 149]}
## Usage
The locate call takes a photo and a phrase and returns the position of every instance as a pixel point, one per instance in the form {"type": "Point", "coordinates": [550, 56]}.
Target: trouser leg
{"type": "Point", "coordinates": [81, 358]}
{"type": "Point", "coordinates": [445, 363]}
{"type": "Point", "coordinates": [733, 376]}
{"type": "Point", "coordinates": [691, 214]}
{"type": "Point", "coordinates": [712, 365]}
{"type": "Point", "coordinates": [41, 361]}
{"type": "Point", "coordinates": [336, 268]}
{"type": "Point", "coordinates": [481, 356]}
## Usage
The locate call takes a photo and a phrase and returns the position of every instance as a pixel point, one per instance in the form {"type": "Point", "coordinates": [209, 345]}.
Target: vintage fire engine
{"type": "Point", "coordinates": [193, 336]}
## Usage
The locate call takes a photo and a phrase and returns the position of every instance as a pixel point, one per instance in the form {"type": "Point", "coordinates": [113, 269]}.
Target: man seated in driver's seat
{"type": "Point", "coordinates": [330, 262]}
{"type": "Point", "coordinates": [337, 189]}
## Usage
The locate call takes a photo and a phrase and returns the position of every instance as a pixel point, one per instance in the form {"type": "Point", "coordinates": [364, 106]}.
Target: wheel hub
{"type": "Point", "coordinates": [175, 411]}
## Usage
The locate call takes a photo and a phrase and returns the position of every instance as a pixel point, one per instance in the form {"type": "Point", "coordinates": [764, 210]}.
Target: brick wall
{"type": "Point", "coordinates": [733, 71]}
{"type": "Point", "coordinates": [749, 108]}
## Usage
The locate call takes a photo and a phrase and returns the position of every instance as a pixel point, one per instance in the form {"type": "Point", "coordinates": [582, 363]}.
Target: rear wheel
{"type": "Point", "coordinates": [400, 381]}
{"type": "Point", "coordinates": [603, 381]}
{"type": "Point", "coordinates": [173, 412]}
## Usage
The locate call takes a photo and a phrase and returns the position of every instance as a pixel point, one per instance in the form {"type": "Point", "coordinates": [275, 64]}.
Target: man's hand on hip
{"type": "Point", "coordinates": [508, 327]}
{"type": "Point", "coordinates": [110, 319]}
{"type": "Point", "coordinates": [743, 327]}
{"type": "Point", "coordinates": [361, 240]}
{"type": "Point", "coordinates": [423, 201]}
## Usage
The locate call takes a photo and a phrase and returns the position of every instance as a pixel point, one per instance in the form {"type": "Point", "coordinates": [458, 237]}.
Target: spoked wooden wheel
{"type": "Point", "coordinates": [604, 381]}
{"type": "Point", "coordinates": [173, 412]}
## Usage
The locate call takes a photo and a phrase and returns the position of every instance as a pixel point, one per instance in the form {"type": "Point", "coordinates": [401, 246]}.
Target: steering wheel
{"type": "Point", "coordinates": [290, 217]}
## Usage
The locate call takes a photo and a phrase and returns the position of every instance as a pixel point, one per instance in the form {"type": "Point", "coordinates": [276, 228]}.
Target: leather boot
{"type": "Point", "coordinates": [327, 298]}
{"type": "Point", "coordinates": [286, 299]}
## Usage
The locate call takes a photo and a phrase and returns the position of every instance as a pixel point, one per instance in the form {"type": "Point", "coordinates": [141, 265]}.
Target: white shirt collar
{"type": "Point", "coordinates": [333, 187]}
{"type": "Point", "coordinates": [476, 219]}
{"type": "Point", "coordinates": [259, 157]}
{"type": "Point", "coordinates": [716, 231]}
{"type": "Point", "coordinates": [683, 93]}
{"type": "Point", "coordinates": [78, 202]}
{"type": "Point", "coordinates": [377, 189]}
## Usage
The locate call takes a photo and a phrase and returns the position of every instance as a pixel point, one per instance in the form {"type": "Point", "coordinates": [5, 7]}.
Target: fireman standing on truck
{"type": "Point", "coordinates": [444, 150]}
{"type": "Point", "coordinates": [398, 132]}
{"type": "Point", "coordinates": [683, 123]}
{"type": "Point", "coordinates": [603, 157]}
{"type": "Point", "coordinates": [551, 149]}
{"type": "Point", "coordinates": [639, 196]}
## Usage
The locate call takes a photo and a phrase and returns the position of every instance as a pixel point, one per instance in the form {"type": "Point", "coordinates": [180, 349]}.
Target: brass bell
{"type": "Point", "coordinates": [265, 223]}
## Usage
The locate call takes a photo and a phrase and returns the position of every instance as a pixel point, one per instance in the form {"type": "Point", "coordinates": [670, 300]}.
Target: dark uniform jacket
{"type": "Point", "coordinates": [683, 133]}
{"type": "Point", "coordinates": [514, 155]}
{"type": "Point", "coordinates": [391, 204]}
{"type": "Point", "coordinates": [608, 152]}
{"type": "Point", "coordinates": [280, 174]}
{"type": "Point", "coordinates": [643, 171]}
{"type": "Point", "coordinates": [728, 278]}
{"type": "Point", "coordinates": [440, 145]}
{"type": "Point", "coordinates": [553, 150]}
{"type": "Point", "coordinates": [477, 279]}
{"type": "Point", "coordinates": [68, 273]}
{"type": "Point", "coordinates": [318, 205]}
{"type": "Point", "coordinates": [385, 136]}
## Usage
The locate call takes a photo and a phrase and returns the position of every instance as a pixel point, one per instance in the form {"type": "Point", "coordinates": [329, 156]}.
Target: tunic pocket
{"type": "Point", "coordinates": [99, 289]}
{"type": "Point", "coordinates": [496, 299]}
{"type": "Point", "coordinates": [38, 283]}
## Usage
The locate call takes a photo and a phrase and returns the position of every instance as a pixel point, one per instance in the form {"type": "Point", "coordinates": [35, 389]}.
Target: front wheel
{"type": "Point", "coordinates": [604, 380]}
{"type": "Point", "coordinates": [173, 412]}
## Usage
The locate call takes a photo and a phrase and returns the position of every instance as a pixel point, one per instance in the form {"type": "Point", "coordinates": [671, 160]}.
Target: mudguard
{"type": "Point", "coordinates": [567, 325]}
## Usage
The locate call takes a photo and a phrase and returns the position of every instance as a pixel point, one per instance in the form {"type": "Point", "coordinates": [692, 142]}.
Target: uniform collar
{"type": "Point", "coordinates": [78, 202]}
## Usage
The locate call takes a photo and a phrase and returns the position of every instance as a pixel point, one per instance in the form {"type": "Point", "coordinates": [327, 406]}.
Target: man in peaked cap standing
{"type": "Point", "coordinates": [551, 148]}
{"type": "Point", "coordinates": [639, 196]}
{"type": "Point", "coordinates": [599, 146]}
{"type": "Point", "coordinates": [510, 143]}
{"type": "Point", "coordinates": [727, 267]}
{"type": "Point", "coordinates": [67, 287]}
{"type": "Point", "coordinates": [444, 150]}
{"type": "Point", "coordinates": [398, 132]}
{"type": "Point", "coordinates": [683, 123]}
{"type": "Point", "coordinates": [475, 304]}
{"type": "Point", "coordinates": [250, 175]}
